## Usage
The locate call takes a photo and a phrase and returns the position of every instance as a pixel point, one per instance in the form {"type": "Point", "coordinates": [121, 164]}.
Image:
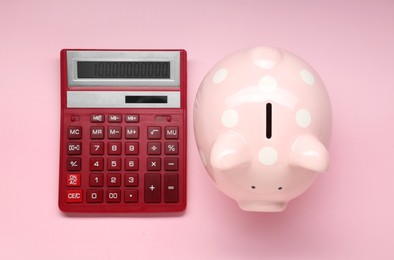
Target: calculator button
{"type": "Point", "coordinates": [131, 180]}
{"type": "Point", "coordinates": [97, 132]}
{"type": "Point", "coordinates": [171, 132]}
{"type": "Point", "coordinates": [132, 118]}
{"type": "Point", "coordinates": [171, 163]}
{"type": "Point", "coordinates": [154, 148]}
{"type": "Point", "coordinates": [152, 191]}
{"type": "Point", "coordinates": [154, 132]}
{"type": "Point", "coordinates": [73, 163]}
{"type": "Point", "coordinates": [74, 132]}
{"type": "Point", "coordinates": [114, 148]}
{"type": "Point", "coordinates": [131, 164]}
{"type": "Point", "coordinates": [113, 196]}
{"type": "Point", "coordinates": [132, 132]}
{"type": "Point", "coordinates": [74, 196]}
{"type": "Point", "coordinates": [113, 180]}
{"type": "Point", "coordinates": [171, 188]}
{"type": "Point", "coordinates": [96, 164]}
{"type": "Point", "coordinates": [114, 163]}
{"type": "Point", "coordinates": [153, 164]}
{"type": "Point", "coordinates": [96, 180]}
{"type": "Point", "coordinates": [94, 196]}
{"type": "Point", "coordinates": [97, 148]}
{"type": "Point", "coordinates": [171, 148]}
{"type": "Point", "coordinates": [97, 118]}
{"type": "Point", "coordinates": [114, 118]}
{"type": "Point", "coordinates": [132, 148]}
{"type": "Point", "coordinates": [73, 180]}
{"type": "Point", "coordinates": [74, 148]}
{"type": "Point", "coordinates": [130, 196]}
{"type": "Point", "coordinates": [114, 132]}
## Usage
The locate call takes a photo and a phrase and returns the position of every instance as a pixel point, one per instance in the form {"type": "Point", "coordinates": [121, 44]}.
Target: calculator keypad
{"type": "Point", "coordinates": [114, 159]}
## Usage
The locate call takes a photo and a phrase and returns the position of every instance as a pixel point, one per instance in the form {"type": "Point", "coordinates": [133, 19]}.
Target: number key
{"type": "Point", "coordinates": [132, 148]}
{"type": "Point", "coordinates": [96, 148]}
{"type": "Point", "coordinates": [113, 196]}
{"type": "Point", "coordinates": [114, 148]}
{"type": "Point", "coordinates": [131, 180]}
{"type": "Point", "coordinates": [96, 180]}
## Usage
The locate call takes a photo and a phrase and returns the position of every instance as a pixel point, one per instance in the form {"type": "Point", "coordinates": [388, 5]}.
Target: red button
{"type": "Point", "coordinates": [94, 196]}
{"type": "Point", "coordinates": [114, 163]}
{"type": "Point", "coordinates": [171, 163]}
{"type": "Point", "coordinates": [74, 196]}
{"type": "Point", "coordinates": [132, 132]}
{"type": "Point", "coordinates": [171, 148]}
{"type": "Point", "coordinates": [114, 118]}
{"type": "Point", "coordinates": [130, 196]}
{"type": "Point", "coordinates": [114, 132]}
{"type": "Point", "coordinates": [97, 132]}
{"type": "Point", "coordinates": [132, 118]}
{"type": "Point", "coordinates": [97, 118]}
{"type": "Point", "coordinates": [113, 180]}
{"type": "Point", "coordinates": [171, 132]}
{"type": "Point", "coordinates": [96, 179]}
{"type": "Point", "coordinates": [131, 180]}
{"type": "Point", "coordinates": [154, 148]}
{"type": "Point", "coordinates": [152, 188]}
{"type": "Point", "coordinates": [73, 180]}
{"type": "Point", "coordinates": [153, 164]}
{"type": "Point", "coordinates": [132, 148]}
{"type": "Point", "coordinates": [113, 196]}
{"type": "Point", "coordinates": [131, 164]}
{"type": "Point", "coordinates": [154, 132]}
{"type": "Point", "coordinates": [96, 163]}
{"type": "Point", "coordinates": [73, 163]}
{"type": "Point", "coordinates": [96, 148]}
{"type": "Point", "coordinates": [74, 132]}
{"type": "Point", "coordinates": [114, 148]}
{"type": "Point", "coordinates": [171, 188]}
{"type": "Point", "coordinates": [74, 148]}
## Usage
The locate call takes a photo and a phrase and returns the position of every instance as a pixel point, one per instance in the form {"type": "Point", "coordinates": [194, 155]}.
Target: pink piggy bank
{"type": "Point", "coordinates": [262, 123]}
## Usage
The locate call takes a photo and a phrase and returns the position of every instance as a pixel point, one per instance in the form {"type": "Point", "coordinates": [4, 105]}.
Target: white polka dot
{"type": "Point", "coordinates": [303, 118]}
{"type": "Point", "coordinates": [268, 155]}
{"type": "Point", "coordinates": [307, 77]}
{"type": "Point", "coordinates": [219, 76]}
{"type": "Point", "coordinates": [268, 83]}
{"type": "Point", "coordinates": [265, 64]}
{"type": "Point", "coordinates": [230, 118]}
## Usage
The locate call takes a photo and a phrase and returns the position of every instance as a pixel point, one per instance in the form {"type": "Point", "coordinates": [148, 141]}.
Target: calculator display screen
{"type": "Point", "coordinates": [117, 68]}
{"type": "Point", "coordinates": [123, 69]}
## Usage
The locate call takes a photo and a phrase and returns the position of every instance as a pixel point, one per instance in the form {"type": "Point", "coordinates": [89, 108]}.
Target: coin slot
{"type": "Point", "coordinates": [268, 125]}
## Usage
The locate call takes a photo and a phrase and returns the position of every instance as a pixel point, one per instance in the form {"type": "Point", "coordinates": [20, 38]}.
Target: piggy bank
{"type": "Point", "coordinates": [262, 123]}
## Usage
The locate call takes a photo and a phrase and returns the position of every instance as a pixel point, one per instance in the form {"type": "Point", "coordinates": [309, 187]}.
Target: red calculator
{"type": "Point", "coordinates": [123, 131]}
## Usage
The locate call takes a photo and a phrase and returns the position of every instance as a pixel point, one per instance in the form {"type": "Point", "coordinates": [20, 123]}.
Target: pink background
{"type": "Point", "coordinates": [347, 214]}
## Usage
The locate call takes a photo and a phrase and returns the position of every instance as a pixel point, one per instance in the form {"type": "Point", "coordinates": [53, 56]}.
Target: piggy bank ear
{"type": "Point", "coordinates": [309, 153]}
{"type": "Point", "coordinates": [229, 151]}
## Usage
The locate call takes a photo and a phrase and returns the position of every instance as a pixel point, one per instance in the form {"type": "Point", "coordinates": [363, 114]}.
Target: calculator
{"type": "Point", "coordinates": [123, 131]}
